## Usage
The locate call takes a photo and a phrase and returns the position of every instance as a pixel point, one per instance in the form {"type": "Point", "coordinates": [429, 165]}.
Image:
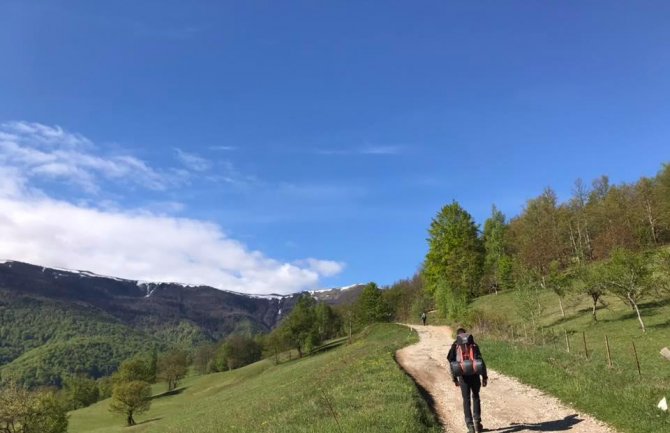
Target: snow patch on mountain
{"type": "Point", "coordinates": [313, 292]}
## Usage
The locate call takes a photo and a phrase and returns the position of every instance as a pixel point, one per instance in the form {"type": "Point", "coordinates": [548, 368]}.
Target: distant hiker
{"type": "Point", "coordinates": [423, 318]}
{"type": "Point", "coordinates": [467, 365]}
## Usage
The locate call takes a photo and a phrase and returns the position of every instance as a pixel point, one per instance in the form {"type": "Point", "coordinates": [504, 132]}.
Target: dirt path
{"type": "Point", "coordinates": [508, 406]}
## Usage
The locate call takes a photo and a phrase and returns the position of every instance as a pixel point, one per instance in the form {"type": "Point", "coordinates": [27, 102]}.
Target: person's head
{"type": "Point", "coordinates": [460, 331]}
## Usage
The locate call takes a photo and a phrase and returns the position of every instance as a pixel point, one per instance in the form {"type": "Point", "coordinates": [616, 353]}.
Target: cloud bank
{"type": "Point", "coordinates": [134, 244]}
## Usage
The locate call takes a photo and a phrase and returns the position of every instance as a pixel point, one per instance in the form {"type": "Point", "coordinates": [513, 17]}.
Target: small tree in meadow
{"type": "Point", "coordinates": [592, 281]}
{"type": "Point", "coordinates": [172, 367]}
{"type": "Point", "coordinates": [527, 296]}
{"type": "Point", "coordinates": [557, 282]}
{"type": "Point", "coordinates": [130, 399]}
{"type": "Point", "coordinates": [629, 277]}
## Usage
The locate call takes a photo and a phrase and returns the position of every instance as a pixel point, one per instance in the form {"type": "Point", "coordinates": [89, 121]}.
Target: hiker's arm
{"type": "Point", "coordinates": [451, 357]}
{"type": "Point", "coordinates": [478, 355]}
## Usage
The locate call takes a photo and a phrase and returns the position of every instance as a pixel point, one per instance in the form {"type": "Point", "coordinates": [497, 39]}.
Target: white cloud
{"type": "Point", "coordinates": [324, 267]}
{"type": "Point", "coordinates": [143, 245]}
{"type": "Point", "coordinates": [223, 148]}
{"type": "Point", "coordinates": [193, 161]}
{"type": "Point", "coordinates": [135, 244]}
{"type": "Point", "coordinates": [46, 152]}
{"type": "Point", "coordinates": [381, 150]}
{"type": "Point", "coordinates": [366, 150]}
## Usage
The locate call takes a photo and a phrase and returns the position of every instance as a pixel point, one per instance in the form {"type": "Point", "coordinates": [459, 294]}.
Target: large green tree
{"type": "Point", "coordinates": [497, 263]}
{"type": "Point", "coordinates": [237, 351]}
{"type": "Point", "coordinates": [371, 306]}
{"type": "Point", "coordinates": [454, 262]}
{"type": "Point", "coordinates": [298, 327]}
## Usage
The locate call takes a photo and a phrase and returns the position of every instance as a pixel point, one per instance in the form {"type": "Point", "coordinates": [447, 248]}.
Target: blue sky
{"type": "Point", "coordinates": [315, 141]}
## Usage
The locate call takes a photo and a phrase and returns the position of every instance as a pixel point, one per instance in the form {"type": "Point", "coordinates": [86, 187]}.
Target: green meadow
{"type": "Point", "coordinates": [348, 389]}
{"type": "Point", "coordinates": [619, 394]}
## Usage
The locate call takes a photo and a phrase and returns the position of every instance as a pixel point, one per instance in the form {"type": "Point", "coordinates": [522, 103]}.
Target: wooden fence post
{"type": "Point", "coordinates": [609, 355]}
{"type": "Point", "coordinates": [637, 360]}
{"type": "Point", "coordinates": [586, 349]}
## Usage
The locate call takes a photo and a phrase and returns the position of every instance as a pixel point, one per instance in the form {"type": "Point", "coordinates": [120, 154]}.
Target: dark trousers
{"type": "Point", "coordinates": [470, 386]}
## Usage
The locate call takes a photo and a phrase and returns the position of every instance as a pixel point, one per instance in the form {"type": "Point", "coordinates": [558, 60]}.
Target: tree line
{"type": "Point", "coordinates": [604, 238]}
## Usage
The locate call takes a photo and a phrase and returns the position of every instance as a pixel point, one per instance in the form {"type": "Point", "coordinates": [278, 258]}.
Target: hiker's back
{"type": "Point", "coordinates": [467, 363]}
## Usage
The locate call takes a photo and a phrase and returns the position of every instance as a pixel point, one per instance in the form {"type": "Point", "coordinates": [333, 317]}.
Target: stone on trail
{"type": "Point", "coordinates": [663, 404]}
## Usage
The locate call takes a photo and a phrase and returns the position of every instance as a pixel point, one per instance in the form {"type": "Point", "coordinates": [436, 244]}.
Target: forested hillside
{"type": "Point", "coordinates": [55, 322]}
{"type": "Point", "coordinates": [592, 242]}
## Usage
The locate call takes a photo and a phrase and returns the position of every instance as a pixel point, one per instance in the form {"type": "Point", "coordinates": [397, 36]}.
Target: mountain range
{"type": "Point", "coordinates": [55, 322]}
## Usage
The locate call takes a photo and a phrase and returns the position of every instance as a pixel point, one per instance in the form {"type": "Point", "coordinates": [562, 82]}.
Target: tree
{"type": "Point", "coordinates": [274, 343]}
{"type": "Point", "coordinates": [527, 296]}
{"type": "Point", "coordinates": [130, 399]}
{"type": "Point", "coordinates": [298, 326]}
{"type": "Point", "coordinates": [237, 351]}
{"type": "Point", "coordinates": [537, 235]}
{"type": "Point", "coordinates": [23, 411]}
{"type": "Point", "coordinates": [172, 367]}
{"type": "Point", "coordinates": [663, 197]}
{"type": "Point", "coordinates": [80, 391]}
{"type": "Point", "coordinates": [579, 224]}
{"type": "Point", "coordinates": [630, 278]}
{"type": "Point", "coordinates": [613, 212]}
{"type": "Point", "coordinates": [557, 282]}
{"type": "Point", "coordinates": [592, 281]}
{"type": "Point", "coordinates": [328, 322]}
{"type": "Point", "coordinates": [454, 262]}
{"type": "Point", "coordinates": [135, 369]}
{"type": "Point", "coordinates": [105, 387]}
{"type": "Point", "coordinates": [406, 299]}
{"type": "Point", "coordinates": [152, 366]}
{"type": "Point", "coordinates": [370, 306]}
{"type": "Point", "coordinates": [204, 358]}
{"type": "Point", "coordinates": [496, 259]}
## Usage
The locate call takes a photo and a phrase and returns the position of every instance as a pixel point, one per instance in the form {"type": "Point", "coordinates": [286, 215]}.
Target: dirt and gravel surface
{"type": "Point", "coordinates": [508, 406]}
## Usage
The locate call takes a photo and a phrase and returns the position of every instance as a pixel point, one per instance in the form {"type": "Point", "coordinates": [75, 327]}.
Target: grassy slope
{"type": "Point", "coordinates": [616, 395]}
{"type": "Point", "coordinates": [362, 382]}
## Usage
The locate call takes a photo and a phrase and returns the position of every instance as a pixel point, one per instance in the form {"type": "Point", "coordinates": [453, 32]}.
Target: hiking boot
{"type": "Point", "coordinates": [471, 428]}
{"type": "Point", "coordinates": [479, 428]}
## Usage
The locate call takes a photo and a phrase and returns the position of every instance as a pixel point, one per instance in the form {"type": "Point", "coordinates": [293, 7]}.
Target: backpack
{"type": "Point", "coordinates": [466, 364]}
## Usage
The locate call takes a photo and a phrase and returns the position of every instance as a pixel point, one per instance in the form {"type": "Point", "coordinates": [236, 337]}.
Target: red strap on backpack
{"type": "Point", "coordinates": [471, 357]}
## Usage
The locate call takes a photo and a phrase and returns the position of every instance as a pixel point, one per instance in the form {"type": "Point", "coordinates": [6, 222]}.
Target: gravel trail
{"type": "Point", "coordinates": [508, 406]}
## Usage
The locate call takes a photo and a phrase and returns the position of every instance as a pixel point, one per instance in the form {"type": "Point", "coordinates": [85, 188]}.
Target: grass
{"type": "Point", "coordinates": [616, 395]}
{"type": "Point", "coordinates": [354, 388]}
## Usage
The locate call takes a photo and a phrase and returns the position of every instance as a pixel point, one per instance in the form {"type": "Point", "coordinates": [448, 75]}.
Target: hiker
{"type": "Point", "coordinates": [467, 365]}
{"type": "Point", "coordinates": [423, 317]}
